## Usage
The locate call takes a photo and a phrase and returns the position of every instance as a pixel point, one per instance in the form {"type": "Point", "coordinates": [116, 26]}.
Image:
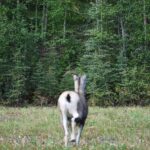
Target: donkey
{"type": "Point", "coordinates": [74, 109]}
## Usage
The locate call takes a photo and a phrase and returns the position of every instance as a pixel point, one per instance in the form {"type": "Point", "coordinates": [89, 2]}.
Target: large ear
{"type": "Point", "coordinates": [76, 83]}
{"type": "Point", "coordinates": [84, 77]}
{"type": "Point", "coordinates": [75, 77]}
{"type": "Point", "coordinates": [82, 84]}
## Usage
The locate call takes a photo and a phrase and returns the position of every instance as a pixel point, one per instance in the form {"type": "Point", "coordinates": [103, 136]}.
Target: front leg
{"type": "Point", "coordinates": [80, 128]}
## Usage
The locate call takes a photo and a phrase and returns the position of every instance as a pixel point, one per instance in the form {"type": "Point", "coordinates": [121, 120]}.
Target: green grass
{"type": "Point", "coordinates": [123, 128]}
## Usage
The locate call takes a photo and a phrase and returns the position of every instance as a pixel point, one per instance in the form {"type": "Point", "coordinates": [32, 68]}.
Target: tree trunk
{"type": "Point", "coordinates": [101, 16]}
{"type": "Point", "coordinates": [44, 20]}
{"type": "Point", "coordinates": [64, 25]}
{"type": "Point", "coordinates": [36, 11]}
{"type": "Point", "coordinates": [123, 36]}
{"type": "Point", "coordinates": [18, 2]}
{"type": "Point", "coordinates": [144, 24]}
{"type": "Point", "coordinates": [97, 18]}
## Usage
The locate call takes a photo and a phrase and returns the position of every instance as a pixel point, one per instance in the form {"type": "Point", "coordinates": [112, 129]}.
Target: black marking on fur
{"type": "Point", "coordinates": [69, 119]}
{"type": "Point", "coordinates": [68, 98]}
{"type": "Point", "coordinates": [73, 140]}
{"type": "Point", "coordinates": [80, 121]}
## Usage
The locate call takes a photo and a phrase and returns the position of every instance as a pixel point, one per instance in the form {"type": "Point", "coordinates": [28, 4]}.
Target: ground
{"type": "Point", "coordinates": [123, 128]}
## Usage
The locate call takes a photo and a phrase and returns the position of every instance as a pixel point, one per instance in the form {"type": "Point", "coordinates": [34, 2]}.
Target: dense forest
{"type": "Point", "coordinates": [44, 42]}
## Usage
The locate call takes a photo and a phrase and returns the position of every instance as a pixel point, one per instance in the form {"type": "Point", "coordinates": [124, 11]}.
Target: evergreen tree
{"type": "Point", "coordinates": [42, 43]}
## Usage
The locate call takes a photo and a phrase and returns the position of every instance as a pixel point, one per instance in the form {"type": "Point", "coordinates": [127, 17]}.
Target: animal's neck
{"type": "Point", "coordinates": [82, 97]}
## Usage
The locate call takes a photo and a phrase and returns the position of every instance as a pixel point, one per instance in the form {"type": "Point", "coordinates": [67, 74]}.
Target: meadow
{"type": "Point", "coordinates": [112, 128]}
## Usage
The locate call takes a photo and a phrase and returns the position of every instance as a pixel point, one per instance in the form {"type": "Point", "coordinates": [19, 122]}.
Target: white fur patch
{"type": "Point", "coordinates": [69, 108]}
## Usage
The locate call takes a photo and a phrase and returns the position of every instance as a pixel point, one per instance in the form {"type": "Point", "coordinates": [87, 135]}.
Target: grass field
{"type": "Point", "coordinates": [123, 128]}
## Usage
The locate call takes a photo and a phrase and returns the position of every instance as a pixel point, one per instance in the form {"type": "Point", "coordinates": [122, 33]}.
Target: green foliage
{"type": "Point", "coordinates": [42, 43]}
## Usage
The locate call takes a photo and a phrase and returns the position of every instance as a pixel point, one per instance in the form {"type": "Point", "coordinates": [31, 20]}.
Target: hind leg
{"type": "Point", "coordinates": [73, 126]}
{"type": "Point", "coordinates": [65, 126]}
